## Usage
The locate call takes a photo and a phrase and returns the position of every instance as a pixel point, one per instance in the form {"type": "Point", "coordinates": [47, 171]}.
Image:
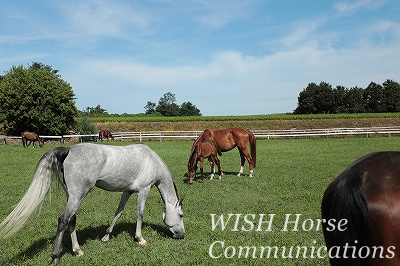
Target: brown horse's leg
{"type": "Point", "coordinates": [201, 167]}
{"type": "Point", "coordinates": [212, 165]}
{"type": "Point", "coordinates": [219, 167]}
{"type": "Point", "coordinates": [244, 154]}
{"type": "Point", "coordinates": [242, 161]}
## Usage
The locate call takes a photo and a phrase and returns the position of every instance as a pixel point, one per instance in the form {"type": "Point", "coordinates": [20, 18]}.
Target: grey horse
{"type": "Point", "coordinates": [132, 168]}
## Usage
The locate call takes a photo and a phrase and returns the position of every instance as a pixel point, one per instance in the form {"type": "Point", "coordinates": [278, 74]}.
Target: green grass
{"type": "Point", "coordinates": [290, 178]}
{"type": "Point", "coordinates": [149, 118]}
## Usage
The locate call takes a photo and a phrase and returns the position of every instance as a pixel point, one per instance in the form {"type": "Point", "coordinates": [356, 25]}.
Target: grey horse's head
{"type": "Point", "coordinates": [173, 218]}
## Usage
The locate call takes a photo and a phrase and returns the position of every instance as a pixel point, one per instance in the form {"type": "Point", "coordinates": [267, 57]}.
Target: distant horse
{"type": "Point", "coordinates": [206, 149]}
{"type": "Point", "coordinates": [129, 169]}
{"type": "Point", "coordinates": [367, 196]}
{"type": "Point", "coordinates": [227, 139]}
{"type": "Point", "coordinates": [32, 137]}
{"type": "Point", "coordinates": [105, 134]}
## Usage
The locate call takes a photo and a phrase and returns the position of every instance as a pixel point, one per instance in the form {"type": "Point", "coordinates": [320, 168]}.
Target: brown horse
{"type": "Point", "coordinates": [105, 134]}
{"type": "Point", "coordinates": [366, 196]}
{"type": "Point", "coordinates": [227, 139]}
{"type": "Point", "coordinates": [32, 137]}
{"type": "Point", "coordinates": [206, 149]}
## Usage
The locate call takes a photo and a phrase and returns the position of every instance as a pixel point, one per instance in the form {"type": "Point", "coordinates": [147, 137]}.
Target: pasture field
{"type": "Point", "coordinates": [287, 116]}
{"type": "Point", "coordinates": [290, 178]}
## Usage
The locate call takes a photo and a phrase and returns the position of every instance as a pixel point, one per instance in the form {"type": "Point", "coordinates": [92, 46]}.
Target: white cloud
{"type": "Point", "coordinates": [106, 18]}
{"type": "Point", "coordinates": [350, 7]}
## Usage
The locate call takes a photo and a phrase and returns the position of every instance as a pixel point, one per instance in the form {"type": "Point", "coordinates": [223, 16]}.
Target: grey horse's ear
{"type": "Point", "coordinates": [180, 201]}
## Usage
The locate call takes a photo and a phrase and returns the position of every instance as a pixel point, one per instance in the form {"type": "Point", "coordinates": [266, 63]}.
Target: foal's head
{"type": "Point", "coordinates": [192, 164]}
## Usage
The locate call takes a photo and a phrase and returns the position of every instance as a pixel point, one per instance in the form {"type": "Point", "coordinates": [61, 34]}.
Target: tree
{"type": "Point", "coordinates": [340, 98]}
{"type": "Point", "coordinates": [373, 97]}
{"type": "Point", "coordinates": [150, 108]}
{"type": "Point", "coordinates": [167, 105]}
{"type": "Point", "coordinates": [355, 101]}
{"type": "Point", "coordinates": [95, 111]}
{"type": "Point", "coordinates": [36, 99]}
{"type": "Point", "coordinates": [391, 96]}
{"type": "Point", "coordinates": [316, 99]}
{"type": "Point", "coordinates": [189, 109]}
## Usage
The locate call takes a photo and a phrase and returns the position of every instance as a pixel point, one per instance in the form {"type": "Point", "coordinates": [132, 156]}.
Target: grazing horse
{"type": "Point", "coordinates": [129, 169]}
{"type": "Point", "coordinates": [105, 134]}
{"type": "Point", "coordinates": [32, 137]}
{"type": "Point", "coordinates": [206, 149]}
{"type": "Point", "coordinates": [367, 197]}
{"type": "Point", "coordinates": [227, 139]}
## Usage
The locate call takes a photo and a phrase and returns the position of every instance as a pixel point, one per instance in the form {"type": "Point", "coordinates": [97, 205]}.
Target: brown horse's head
{"type": "Point", "coordinates": [192, 164]}
{"type": "Point", "coordinates": [41, 143]}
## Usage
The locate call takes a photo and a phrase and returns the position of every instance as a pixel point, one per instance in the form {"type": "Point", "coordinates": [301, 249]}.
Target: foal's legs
{"type": "Point", "coordinates": [124, 198]}
{"type": "Point", "coordinates": [201, 166]}
{"type": "Point", "coordinates": [212, 165]}
{"type": "Point", "coordinates": [142, 196]}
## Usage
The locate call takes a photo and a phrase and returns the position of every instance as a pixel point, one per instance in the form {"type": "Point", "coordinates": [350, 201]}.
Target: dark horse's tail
{"type": "Point", "coordinates": [252, 140]}
{"type": "Point", "coordinates": [345, 199]}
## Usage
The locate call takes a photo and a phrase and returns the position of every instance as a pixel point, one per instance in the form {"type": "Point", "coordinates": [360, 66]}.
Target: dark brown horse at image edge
{"type": "Point", "coordinates": [105, 134]}
{"type": "Point", "coordinates": [227, 139]}
{"type": "Point", "coordinates": [31, 137]}
{"type": "Point", "coordinates": [367, 196]}
{"type": "Point", "coordinates": [206, 149]}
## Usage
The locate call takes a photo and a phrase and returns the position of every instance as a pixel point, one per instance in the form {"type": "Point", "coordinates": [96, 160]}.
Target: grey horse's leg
{"type": "Point", "coordinates": [142, 196]}
{"type": "Point", "coordinates": [124, 198]}
{"type": "Point", "coordinates": [63, 222]}
{"type": "Point", "coordinates": [74, 239]}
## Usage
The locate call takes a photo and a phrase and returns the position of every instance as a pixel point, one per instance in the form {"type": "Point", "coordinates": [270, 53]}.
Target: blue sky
{"type": "Point", "coordinates": [227, 57]}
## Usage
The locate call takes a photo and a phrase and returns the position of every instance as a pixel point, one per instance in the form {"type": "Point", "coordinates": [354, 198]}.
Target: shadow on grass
{"type": "Point", "coordinates": [206, 175]}
{"type": "Point", "coordinates": [84, 235]}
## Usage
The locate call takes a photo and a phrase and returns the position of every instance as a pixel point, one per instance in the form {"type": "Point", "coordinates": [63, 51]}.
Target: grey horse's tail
{"type": "Point", "coordinates": [49, 165]}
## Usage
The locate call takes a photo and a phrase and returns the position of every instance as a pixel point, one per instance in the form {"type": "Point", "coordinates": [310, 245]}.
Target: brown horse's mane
{"type": "Point", "coordinates": [193, 158]}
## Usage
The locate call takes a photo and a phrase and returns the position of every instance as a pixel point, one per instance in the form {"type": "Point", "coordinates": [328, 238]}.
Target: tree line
{"type": "Point", "coordinates": [167, 106]}
{"type": "Point", "coordinates": [35, 98]}
{"type": "Point", "coordinates": [323, 98]}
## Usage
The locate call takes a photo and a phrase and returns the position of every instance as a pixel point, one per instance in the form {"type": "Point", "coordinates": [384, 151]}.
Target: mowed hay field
{"type": "Point", "coordinates": [290, 178]}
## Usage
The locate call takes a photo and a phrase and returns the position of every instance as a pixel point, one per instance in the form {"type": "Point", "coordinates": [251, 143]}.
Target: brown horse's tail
{"type": "Point", "coordinates": [252, 140]}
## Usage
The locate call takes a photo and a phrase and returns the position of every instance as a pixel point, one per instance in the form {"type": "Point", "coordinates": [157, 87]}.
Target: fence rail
{"type": "Point", "coordinates": [259, 134]}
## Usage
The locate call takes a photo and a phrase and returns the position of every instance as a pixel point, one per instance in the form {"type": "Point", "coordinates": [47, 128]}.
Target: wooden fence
{"type": "Point", "coordinates": [259, 134]}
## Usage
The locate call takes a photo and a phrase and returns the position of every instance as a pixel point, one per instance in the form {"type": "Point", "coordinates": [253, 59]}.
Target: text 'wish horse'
{"type": "Point", "coordinates": [367, 197]}
{"type": "Point", "coordinates": [129, 169]}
